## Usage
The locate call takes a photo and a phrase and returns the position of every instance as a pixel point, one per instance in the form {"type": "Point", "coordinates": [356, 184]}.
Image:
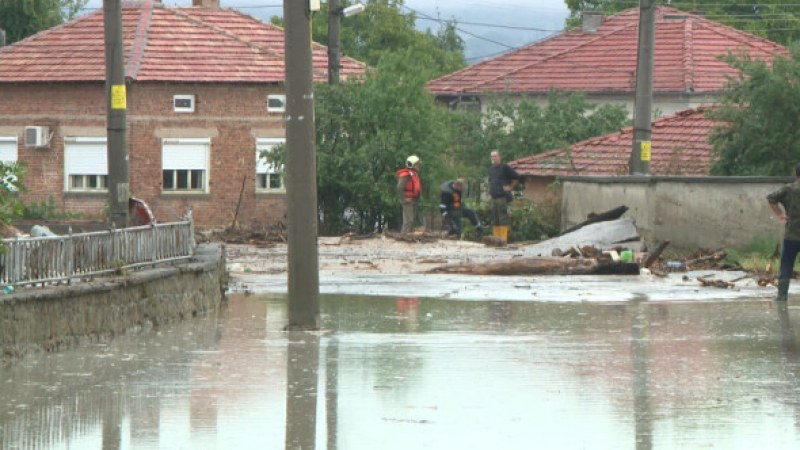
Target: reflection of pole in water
{"type": "Point", "coordinates": [640, 349]}
{"type": "Point", "coordinates": [331, 390]}
{"type": "Point", "coordinates": [112, 431]}
{"type": "Point", "coordinates": [302, 375]}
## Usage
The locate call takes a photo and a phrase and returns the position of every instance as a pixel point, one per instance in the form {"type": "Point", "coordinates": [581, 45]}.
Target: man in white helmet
{"type": "Point", "coordinates": [410, 190]}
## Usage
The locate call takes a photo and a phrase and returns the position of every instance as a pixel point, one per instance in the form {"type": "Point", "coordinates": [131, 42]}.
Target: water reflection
{"type": "Point", "coordinates": [400, 373]}
{"type": "Point", "coordinates": [302, 376]}
{"type": "Point", "coordinates": [640, 353]}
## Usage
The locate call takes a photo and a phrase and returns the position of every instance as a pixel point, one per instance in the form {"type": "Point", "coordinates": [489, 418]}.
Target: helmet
{"type": "Point", "coordinates": [411, 160]}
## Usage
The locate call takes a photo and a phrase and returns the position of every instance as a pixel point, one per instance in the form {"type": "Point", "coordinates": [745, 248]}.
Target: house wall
{"type": "Point", "coordinates": [664, 105]}
{"type": "Point", "coordinates": [232, 116]}
{"type": "Point", "coordinates": [689, 212]}
{"type": "Point", "coordinates": [544, 192]}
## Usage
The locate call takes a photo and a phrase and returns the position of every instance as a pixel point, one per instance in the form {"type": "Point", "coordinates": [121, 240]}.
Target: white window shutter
{"type": "Point", "coordinates": [85, 158]}
{"type": "Point", "coordinates": [8, 149]}
{"type": "Point", "coordinates": [185, 157]}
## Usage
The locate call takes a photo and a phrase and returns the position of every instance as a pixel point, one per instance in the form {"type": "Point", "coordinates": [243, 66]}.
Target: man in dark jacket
{"type": "Point", "coordinates": [502, 181]}
{"type": "Point", "coordinates": [453, 208]}
{"type": "Point", "coordinates": [785, 203]}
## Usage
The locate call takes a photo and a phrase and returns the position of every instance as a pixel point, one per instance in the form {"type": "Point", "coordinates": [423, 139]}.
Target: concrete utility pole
{"type": "Point", "coordinates": [301, 169]}
{"type": "Point", "coordinates": [334, 38]}
{"type": "Point", "coordinates": [639, 163]}
{"type": "Point", "coordinates": [116, 110]}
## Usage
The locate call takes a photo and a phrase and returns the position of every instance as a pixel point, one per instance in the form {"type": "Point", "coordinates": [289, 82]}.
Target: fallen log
{"type": "Point", "coordinates": [541, 266]}
{"type": "Point", "coordinates": [612, 214]}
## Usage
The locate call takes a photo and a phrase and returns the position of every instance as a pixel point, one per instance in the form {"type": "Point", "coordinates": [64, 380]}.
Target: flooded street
{"type": "Point", "coordinates": [419, 373]}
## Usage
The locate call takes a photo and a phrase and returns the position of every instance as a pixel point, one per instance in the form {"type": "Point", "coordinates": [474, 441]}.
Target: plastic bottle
{"type": "Point", "coordinates": [675, 265]}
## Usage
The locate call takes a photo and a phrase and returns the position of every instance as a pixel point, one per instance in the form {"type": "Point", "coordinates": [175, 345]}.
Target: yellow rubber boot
{"type": "Point", "coordinates": [503, 230]}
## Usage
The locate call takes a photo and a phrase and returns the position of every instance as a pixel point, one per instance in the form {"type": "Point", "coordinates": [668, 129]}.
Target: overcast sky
{"type": "Point", "coordinates": [488, 27]}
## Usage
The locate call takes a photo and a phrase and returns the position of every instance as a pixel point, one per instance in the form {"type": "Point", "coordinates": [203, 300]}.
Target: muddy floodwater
{"type": "Point", "coordinates": [420, 373]}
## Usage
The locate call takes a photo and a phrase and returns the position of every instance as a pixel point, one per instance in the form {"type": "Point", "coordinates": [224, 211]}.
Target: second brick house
{"type": "Point", "coordinates": [205, 94]}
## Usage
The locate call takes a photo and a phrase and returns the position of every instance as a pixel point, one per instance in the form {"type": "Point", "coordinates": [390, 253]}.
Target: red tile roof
{"type": "Point", "coordinates": [687, 48]}
{"type": "Point", "coordinates": [162, 44]}
{"type": "Point", "coordinates": [679, 147]}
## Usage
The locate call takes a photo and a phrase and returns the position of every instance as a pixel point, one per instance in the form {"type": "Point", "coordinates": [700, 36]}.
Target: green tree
{"type": "Point", "coordinates": [775, 20]}
{"type": "Point", "coordinates": [524, 128]}
{"type": "Point", "coordinates": [11, 176]}
{"type": "Point", "coordinates": [365, 131]}
{"type": "Point", "coordinates": [23, 18]}
{"type": "Point", "coordinates": [760, 109]}
{"type": "Point", "coordinates": [384, 29]}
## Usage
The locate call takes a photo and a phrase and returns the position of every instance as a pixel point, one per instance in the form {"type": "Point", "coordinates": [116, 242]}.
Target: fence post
{"type": "Point", "coordinates": [191, 231]}
{"type": "Point", "coordinates": [154, 240]}
{"type": "Point", "coordinates": [70, 255]}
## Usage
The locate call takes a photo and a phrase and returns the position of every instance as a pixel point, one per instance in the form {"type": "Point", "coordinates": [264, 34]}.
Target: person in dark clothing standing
{"type": "Point", "coordinates": [453, 208]}
{"type": "Point", "coordinates": [785, 203]}
{"type": "Point", "coordinates": [502, 180]}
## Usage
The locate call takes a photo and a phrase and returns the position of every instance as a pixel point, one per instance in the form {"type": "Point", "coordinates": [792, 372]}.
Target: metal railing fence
{"type": "Point", "coordinates": [61, 258]}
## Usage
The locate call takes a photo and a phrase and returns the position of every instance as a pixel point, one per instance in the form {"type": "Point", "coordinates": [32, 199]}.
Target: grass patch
{"type": "Point", "coordinates": [759, 255]}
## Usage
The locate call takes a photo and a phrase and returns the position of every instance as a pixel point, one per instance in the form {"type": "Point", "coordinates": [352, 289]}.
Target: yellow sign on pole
{"type": "Point", "coordinates": [118, 97]}
{"type": "Point", "coordinates": [645, 150]}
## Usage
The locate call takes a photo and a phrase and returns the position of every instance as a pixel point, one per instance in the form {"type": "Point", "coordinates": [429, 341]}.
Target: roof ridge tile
{"type": "Point", "coordinates": [139, 42]}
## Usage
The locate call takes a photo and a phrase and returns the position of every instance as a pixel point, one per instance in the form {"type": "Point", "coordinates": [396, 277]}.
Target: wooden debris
{"type": "Point", "coordinates": [494, 241]}
{"type": "Point", "coordinates": [706, 282]}
{"type": "Point", "coordinates": [702, 260]}
{"type": "Point", "coordinates": [541, 266]}
{"type": "Point", "coordinates": [415, 238]}
{"type": "Point", "coordinates": [653, 256]}
{"type": "Point", "coordinates": [611, 214]}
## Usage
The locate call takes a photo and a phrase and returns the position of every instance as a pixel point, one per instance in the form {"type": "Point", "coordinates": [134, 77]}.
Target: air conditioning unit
{"type": "Point", "coordinates": [37, 136]}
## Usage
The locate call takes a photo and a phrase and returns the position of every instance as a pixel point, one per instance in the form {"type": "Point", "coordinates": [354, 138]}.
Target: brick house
{"type": "Point", "coordinates": [599, 60]}
{"type": "Point", "coordinates": [205, 93]}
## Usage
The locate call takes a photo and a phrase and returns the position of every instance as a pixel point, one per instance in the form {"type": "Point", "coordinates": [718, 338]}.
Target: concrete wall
{"type": "Point", "coordinates": [664, 104]}
{"type": "Point", "coordinates": [46, 319]}
{"type": "Point", "coordinates": [689, 212]}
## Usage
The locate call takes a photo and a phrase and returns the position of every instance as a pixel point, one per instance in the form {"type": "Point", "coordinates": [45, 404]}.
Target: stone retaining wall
{"type": "Point", "coordinates": [47, 319]}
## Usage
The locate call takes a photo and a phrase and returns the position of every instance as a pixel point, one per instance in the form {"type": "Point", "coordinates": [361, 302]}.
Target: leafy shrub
{"type": "Point", "coordinates": [46, 210]}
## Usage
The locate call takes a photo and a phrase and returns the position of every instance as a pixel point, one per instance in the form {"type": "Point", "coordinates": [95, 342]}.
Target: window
{"type": "Point", "coordinates": [85, 164]}
{"type": "Point", "coordinates": [184, 164]}
{"type": "Point", "coordinates": [269, 178]}
{"type": "Point", "coordinates": [183, 103]}
{"type": "Point", "coordinates": [8, 155]}
{"type": "Point", "coordinates": [276, 103]}
{"type": "Point", "coordinates": [8, 149]}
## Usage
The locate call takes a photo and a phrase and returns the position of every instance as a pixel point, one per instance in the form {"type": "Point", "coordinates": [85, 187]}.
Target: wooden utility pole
{"type": "Point", "coordinates": [334, 31]}
{"type": "Point", "coordinates": [116, 113]}
{"type": "Point", "coordinates": [639, 163]}
{"type": "Point", "coordinates": [301, 169]}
